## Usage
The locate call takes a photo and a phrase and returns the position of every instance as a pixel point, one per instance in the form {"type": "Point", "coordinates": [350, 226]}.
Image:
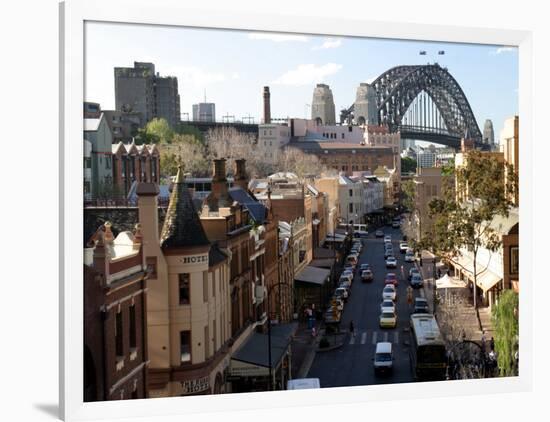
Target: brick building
{"type": "Point", "coordinates": [115, 317]}
{"type": "Point", "coordinates": [133, 164]}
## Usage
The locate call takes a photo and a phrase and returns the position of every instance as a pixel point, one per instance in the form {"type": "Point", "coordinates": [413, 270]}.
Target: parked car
{"type": "Point", "coordinates": [391, 262]}
{"type": "Point", "coordinates": [360, 234]}
{"type": "Point", "coordinates": [388, 252]}
{"type": "Point", "coordinates": [395, 224]}
{"type": "Point", "coordinates": [342, 293]}
{"type": "Point", "coordinates": [387, 238]}
{"type": "Point", "coordinates": [364, 267]}
{"type": "Point", "coordinates": [383, 358]}
{"type": "Point", "coordinates": [389, 292]}
{"type": "Point", "coordinates": [379, 233]}
{"type": "Point", "coordinates": [367, 275]}
{"type": "Point", "coordinates": [421, 306]}
{"type": "Point", "coordinates": [412, 271]}
{"type": "Point", "coordinates": [345, 283]}
{"type": "Point", "coordinates": [331, 317]}
{"type": "Point", "coordinates": [387, 305]}
{"type": "Point", "coordinates": [403, 247]}
{"type": "Point", "coordinates": [409, 257]}
{"type": "Point", "coordinates": [416, 280]}
{"type": "Point", "coordinates": [388, 320]}
{"type": "Point", "coordinates": [391, 278]}
{"type": "Point", "coordinates": [348, 272]}
{"type": "Point", "coordinates": [349, 267]}
{"type": "Point", "coordinates": [339, 303]}
{"type": "Point", "coordinates": [352, 259]}
{"type": "Point", "coordinates": [346, 277]}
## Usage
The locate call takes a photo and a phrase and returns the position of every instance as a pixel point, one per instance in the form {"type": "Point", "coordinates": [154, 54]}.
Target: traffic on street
{"type": "Point", "coordinates": [376, 317]}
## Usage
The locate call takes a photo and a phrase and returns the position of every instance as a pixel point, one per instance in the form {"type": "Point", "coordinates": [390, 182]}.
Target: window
{"type": "Point", "coordinates": [350, 207]}
{"type": "Point", "coordinates": [351, 192]}
{"type": "Point", "coordinates": [151, 262]}
{"type": "Point", "coordinates": [206, 342]}
{"type": "Point", "coordinates": [234, 263]}
{"type": "Point", "coordinates": [205, 286]}
{"type": "Point", "coordinates": [184, 284]}
{"type": "Point", "coordinates": [214, 283]}
{"type": "Point", "coordinates": [118, 334]}
{"type": "Point", "coordinates": [350, 128]}
{"type": "Point", "coordinates": [342, 136]}
{"type": "Point", "coordinates": [514, 260]}
{"type": "Point", "coordinates": [133, 342]}
{"type": "Point", "coordinates": [185, 346]}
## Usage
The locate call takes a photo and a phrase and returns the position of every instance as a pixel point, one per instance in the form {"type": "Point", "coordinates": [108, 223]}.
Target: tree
{"type": "Point", "coordinates": [462, 216]}
{"type": "Point", "coordinates": [187, 150]}
{"type": "Point", "coordinates": [296, 161]}
{"type": "Point", "coordinates": [505, 322]}
{"type": "Point", "coordinates": [157, 131]}
{"type": "Point", "coordinates": [186, 129]}
{"type": "Point", "coordinates": [449, 168]}
{"type": "Point", "coordinates": [408, 165]}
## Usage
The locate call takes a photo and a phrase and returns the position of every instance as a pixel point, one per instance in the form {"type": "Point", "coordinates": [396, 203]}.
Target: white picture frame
{"type": "Point", "coordinates": [73, 15]}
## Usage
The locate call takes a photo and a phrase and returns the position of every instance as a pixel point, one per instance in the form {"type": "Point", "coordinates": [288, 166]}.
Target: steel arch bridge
{"type": "Point", "coordinates": [453, 119]}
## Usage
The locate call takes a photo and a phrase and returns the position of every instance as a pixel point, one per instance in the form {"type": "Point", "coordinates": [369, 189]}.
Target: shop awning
{"type": "Point", "coordinates": [322, 262]}
{"type": "Point", "coordinates": [447, 282]}
{"type": "Point", "coordinates": [252, 358]}
{"type": "Point", "coordinates": [312, 275]}
{"type": "Point", "coordinates": [486, 279]}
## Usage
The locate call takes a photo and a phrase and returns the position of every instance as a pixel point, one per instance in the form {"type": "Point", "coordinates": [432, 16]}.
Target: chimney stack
{"type": "Point", "coordinates": [219, 170]}
{"type": "Point", "coordinates": [267, 105]}
{"type": "Point", "coordinates": [241, 178]}
{"type": "Point", "coordinates": [219, 196]}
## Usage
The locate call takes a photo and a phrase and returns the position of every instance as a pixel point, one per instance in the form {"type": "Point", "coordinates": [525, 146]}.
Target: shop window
{"type": "Point", "coordinates": [184, 286]}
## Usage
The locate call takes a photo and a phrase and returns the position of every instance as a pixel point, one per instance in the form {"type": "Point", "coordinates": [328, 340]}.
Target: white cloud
{"type": "Point", "coordinates": [329, 43]}
{"type": "Point", "coordinates": [307, 74]}
{"type": "Point", "coordinates": [270, 36]}
{"type": "Point", "coordinates": [501, 50]}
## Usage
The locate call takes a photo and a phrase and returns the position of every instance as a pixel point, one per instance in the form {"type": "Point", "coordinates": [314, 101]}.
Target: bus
{"type": "Point", "coordinates": [427, 352]}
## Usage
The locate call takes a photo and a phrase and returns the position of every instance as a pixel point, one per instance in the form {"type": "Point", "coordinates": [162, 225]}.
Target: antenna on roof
{"type": "Point", "coordinates": [204, 94]}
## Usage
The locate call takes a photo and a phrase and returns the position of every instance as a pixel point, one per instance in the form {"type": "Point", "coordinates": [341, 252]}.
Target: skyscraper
{"type": "Point", "coordinates": [204, 112]}
{"type": "Point", "coordinates": [139, 89]}
{"type": "Point", "coordinates": [322, 106]}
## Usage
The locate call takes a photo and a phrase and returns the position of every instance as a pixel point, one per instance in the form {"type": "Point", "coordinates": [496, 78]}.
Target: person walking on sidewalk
{"type": "Point", "coordinates": [351, 328]}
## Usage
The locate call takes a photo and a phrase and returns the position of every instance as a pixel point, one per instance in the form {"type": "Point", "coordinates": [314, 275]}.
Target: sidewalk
{"type": "Point", "coordinates": [304, 347]}
{"type": "Point", "coordinates": [465, 312]}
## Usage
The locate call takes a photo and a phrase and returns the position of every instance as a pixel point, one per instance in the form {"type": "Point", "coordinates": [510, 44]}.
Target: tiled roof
{"type": "Point", "coordinates": [182, 227]}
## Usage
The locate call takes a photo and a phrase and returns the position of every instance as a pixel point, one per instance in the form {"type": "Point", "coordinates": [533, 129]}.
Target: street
{"type": "Point", "coordinates": [352, 363]}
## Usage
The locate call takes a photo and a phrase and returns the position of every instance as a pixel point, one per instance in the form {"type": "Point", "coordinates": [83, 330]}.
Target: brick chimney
{"type": "Point", "coordinates": [148, 214]}
{"type": "Point", "coordinates": [241, 178]}
{"type": "Point", "coordinates": [218, 197]}
{"type": "Point", "coordinates": [267, 105]}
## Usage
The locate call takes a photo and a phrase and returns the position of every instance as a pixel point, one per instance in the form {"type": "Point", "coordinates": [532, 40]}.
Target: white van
{"type": "Point", "coordinates": [303, 384]}
{"type": "Point", "coordinates": [383, 358]}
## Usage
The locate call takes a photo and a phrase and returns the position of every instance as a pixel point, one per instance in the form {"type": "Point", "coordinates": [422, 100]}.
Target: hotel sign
{"type": "Point", "coordinates": [194, 259]}
{"type": "Point", "coordinates": [196, 385]}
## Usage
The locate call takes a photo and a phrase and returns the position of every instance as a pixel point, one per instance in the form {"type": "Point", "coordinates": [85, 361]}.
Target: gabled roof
{"type": "Point", "coordinates": [91, 125]}
{"type": "Point", "coordinates": [182, 227]}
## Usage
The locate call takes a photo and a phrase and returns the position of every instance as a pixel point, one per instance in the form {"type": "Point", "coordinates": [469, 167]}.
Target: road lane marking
{"type": "Point", "coordinates": [374, 336]}
{"type": "Point", "coordinates": [364, 338]}
{"type": "Point", "coordinates": [386, 336]}
{"type": "Point", "coordinates": [396, 337]}
{"type": "Point", "coordinates": [352, 340]}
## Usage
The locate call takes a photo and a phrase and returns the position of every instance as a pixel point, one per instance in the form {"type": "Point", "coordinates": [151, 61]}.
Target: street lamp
{"type": "Point", "coordinates": [269, 331]}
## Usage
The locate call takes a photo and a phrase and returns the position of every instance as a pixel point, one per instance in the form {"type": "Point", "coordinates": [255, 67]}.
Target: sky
{"type": "Point", "coordinates": [232, 67]}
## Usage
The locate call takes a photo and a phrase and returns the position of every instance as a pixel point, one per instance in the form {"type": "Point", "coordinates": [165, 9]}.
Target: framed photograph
{"type": "Point", "coordinates": [263, 211]}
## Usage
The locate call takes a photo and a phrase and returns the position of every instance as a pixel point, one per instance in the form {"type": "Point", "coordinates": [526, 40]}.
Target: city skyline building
{"type": "Point", "coordinates": [140, 89]}
{"type": "Point", "coordinates": [204, 112]}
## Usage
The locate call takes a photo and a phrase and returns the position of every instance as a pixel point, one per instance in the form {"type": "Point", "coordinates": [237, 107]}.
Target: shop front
{"type": "Point", "coordinates": [250, 366]}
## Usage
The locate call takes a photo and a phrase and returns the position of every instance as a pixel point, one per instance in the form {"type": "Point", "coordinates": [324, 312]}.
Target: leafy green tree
{"type": "Point", "coordinates": [186, 129]}
{"type": "Point", "coordinates": [408, 165]}
{"type": "Point", "coordinates": [505, 322]}
{"type": "Point", "coordinates": [462, 216]}
{"type": "Point", "coordinates": [157, 131]}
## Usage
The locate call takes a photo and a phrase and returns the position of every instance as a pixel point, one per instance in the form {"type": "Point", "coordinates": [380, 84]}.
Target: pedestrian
{"type": "Point", "coordinates": [313, 332]}
{"type": "Point", "coordinates": [351, 328]}
{"type": "Point", "coordinates": [483, 341]}
{"type": "Point", "coordinates": [492, 344]}
{"type": "Point", "coordinates": [438, 273]}
{"type": "Point", "coordinates": [420, 260]}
